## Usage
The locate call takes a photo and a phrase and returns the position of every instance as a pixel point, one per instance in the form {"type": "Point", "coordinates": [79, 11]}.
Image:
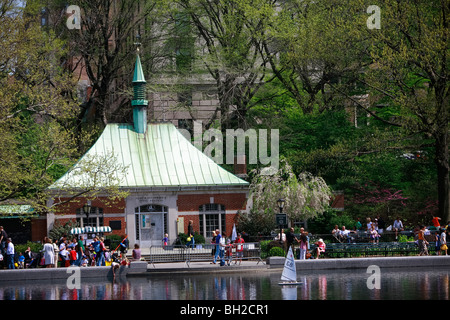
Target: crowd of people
{"type": "Point", "coordinates": [223, 249]}
{"type": "Point", "coordinates": [8, 251]}
{"type": "Point", "coordinates": [373, 229]}
{"type": "Point", "coordinates": [75, 252]}
{"type": "Point", "coordinates": [65, 252]}
{"type": "Point", "coordinates": [290, 239]}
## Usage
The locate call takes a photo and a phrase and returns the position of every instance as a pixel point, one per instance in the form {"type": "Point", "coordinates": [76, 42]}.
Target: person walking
{"type": "Point", "coordinates": [191, 242]}
{"type": "Point", "coordinates": [165, 240]}
{"type": "Point", "coordinates": [423, 249]}
{"type": "Point", "coordinates": [213, 241]}
{"type": "Point", "coordinates": [217, 242]}
{"type": "Point", "coordinates": [98, 251]}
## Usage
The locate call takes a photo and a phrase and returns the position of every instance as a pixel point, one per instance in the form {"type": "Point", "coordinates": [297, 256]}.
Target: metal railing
{"type": "Point", "coordinates": [201, 252]}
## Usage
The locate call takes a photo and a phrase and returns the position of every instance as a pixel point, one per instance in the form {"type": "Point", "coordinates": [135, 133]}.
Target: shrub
{"type": "Point", "coordinates": [404, 238]}
{"type": "Point", "coordinates": [60, 228]}
{"type": "Point", "coordinates": [197, 237]}
{"type": "Point", "coordinates": [276, 252]}
{"type": "Point", "coordinates": [34, 246]}
{"type": "Point", "coordinates": [264, 245]}
{"type": "Point", "coordinates": [114, 240]}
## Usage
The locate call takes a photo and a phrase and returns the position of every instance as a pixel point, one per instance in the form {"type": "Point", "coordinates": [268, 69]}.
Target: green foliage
{"type": "Point", "coordinates": [326, 222]}
{"type": "Point", "coordinates": [305, 195]}
{"type": "Point", "coordinates": [197, 237]}
{"type": "Point", "coordinates": [37, 105]}
{"type": "Point", "coordinates": [264, 245]}
{"type": "Point", "coordinates": [59, 229]}
{"type": "Point", "coordinates": [21, 248]}
{"type": "Point", "coordinates": [276, 252]}
{"type": "Point", "coordinates": [405, 238]}
{"type": "Point", "coordinates": [256, 223]}
{"type": "Point", "coordinates": [115, 240]}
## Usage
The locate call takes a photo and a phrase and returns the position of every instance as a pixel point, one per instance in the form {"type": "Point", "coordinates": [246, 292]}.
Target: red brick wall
{"type": "Point", "coordinates": [230, 220]}
{"type": "Point", "coordinates": [231, 201]}
{"type": "Point", "coordinates": [105, 203]}
{"type": "Point", "coordinates": [338, 201]}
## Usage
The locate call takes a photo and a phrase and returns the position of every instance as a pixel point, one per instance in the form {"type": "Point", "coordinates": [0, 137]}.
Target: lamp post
{"type": "Point", "coordinates": [87, 210]}
{"type": "Point", "coordinates": [280, 203]}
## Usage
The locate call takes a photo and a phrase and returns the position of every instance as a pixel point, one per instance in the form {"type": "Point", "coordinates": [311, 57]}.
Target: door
{"type": "Point", "coordinates": [150, 225]}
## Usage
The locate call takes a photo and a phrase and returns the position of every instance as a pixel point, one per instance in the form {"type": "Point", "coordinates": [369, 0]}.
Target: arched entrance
{"type": "Point", "coordinates": [151, 224]}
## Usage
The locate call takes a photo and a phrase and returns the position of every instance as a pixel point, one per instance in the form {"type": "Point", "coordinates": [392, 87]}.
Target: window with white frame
{"type": "Point", "coordinates": [95, 218]}
{"type": "Point", "coordinates": [211, 217]}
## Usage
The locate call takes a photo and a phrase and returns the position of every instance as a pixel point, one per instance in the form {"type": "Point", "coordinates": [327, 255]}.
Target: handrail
{"type": "Point", "coordinates": [201, 252]}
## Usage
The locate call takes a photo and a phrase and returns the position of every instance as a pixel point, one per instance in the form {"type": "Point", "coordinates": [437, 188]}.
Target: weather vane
{"type": "Point", "coordinates": [138, 43]}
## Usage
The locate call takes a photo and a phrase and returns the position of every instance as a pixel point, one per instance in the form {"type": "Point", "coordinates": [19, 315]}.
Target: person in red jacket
{"type": "Point", "coordinates": [435, 222]}
{"type": "Point", "coordinates": [239, 244]}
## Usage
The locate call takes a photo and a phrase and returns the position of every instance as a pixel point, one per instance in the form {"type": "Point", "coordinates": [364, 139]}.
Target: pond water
{"type": "Point", "coordinates": [432, 284]}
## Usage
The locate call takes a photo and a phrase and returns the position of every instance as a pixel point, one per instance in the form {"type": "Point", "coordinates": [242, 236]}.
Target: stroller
{"type": "Point", "coordinates": [35, 261]}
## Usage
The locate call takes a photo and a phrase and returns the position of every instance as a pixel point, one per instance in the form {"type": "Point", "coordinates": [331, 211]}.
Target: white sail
{"type": "Point", "coordinates": [289, 271]}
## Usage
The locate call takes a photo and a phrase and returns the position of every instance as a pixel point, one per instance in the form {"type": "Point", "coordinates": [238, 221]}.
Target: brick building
{"type": "Point", "coordinates": [169, 182]}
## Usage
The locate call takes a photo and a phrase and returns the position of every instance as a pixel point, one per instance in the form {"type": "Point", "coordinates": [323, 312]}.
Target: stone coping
{"type": "Point", "coordinates": [65, 273]}
{"type": "Point", "coordinates": [358, 263]}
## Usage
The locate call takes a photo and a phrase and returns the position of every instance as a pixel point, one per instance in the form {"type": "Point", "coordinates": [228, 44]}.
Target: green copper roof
{"type": "Point", "coordinates": [138, 73]}
{"type": "Point", "coordinates": [161, 157]}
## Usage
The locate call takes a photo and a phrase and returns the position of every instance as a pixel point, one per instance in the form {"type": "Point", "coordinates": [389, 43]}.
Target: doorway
{"type": "Point", "coordinates": [151, 224]}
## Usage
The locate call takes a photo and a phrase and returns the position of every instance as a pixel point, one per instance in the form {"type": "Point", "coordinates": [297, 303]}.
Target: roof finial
{"type": "Point", "coordinates": [138, 43]}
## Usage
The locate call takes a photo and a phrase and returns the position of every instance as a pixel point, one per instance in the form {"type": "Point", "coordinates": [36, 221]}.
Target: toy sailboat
{"type": "Point", "coordinates": [289, 275]}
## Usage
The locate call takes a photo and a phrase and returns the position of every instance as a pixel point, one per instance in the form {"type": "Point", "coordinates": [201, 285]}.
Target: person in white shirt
{"type": "Point", "coordinates": [369, 224]}
{"type": "Point", "coordinates": [444, 246]}
{"type": "Point", "coordinates": [10, 254]}
{"type": "Point", "coordinates": [398, 226]}
{"type": "Point", "coordinates": [344, 234]}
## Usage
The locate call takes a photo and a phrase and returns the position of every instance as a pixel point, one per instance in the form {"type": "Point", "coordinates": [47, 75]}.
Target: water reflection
{"type": "Point", "coordinates": [344, 285]}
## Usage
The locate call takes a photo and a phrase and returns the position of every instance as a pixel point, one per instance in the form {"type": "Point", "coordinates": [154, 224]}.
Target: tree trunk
{"type": "Point", "coordinates": [442, 165]}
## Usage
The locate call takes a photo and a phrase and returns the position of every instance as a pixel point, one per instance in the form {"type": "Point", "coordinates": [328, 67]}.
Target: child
{"type": "Point", "coordinates": [84, 261]}
{"type": "Point", "coordinates": [166, 240]}
{"type": "Point", "coordinates": [21, 261]}
{"type": "Point", "coordinates": [73, 256]}
{"type": "Point", "coordinates": [437, 243]}
{"type": "Point", "coordinates": [64, 257]}
{"type": "Point", "coordinates": [374, 236]}
{"type": "Point", "coordinates": [229, 251]}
